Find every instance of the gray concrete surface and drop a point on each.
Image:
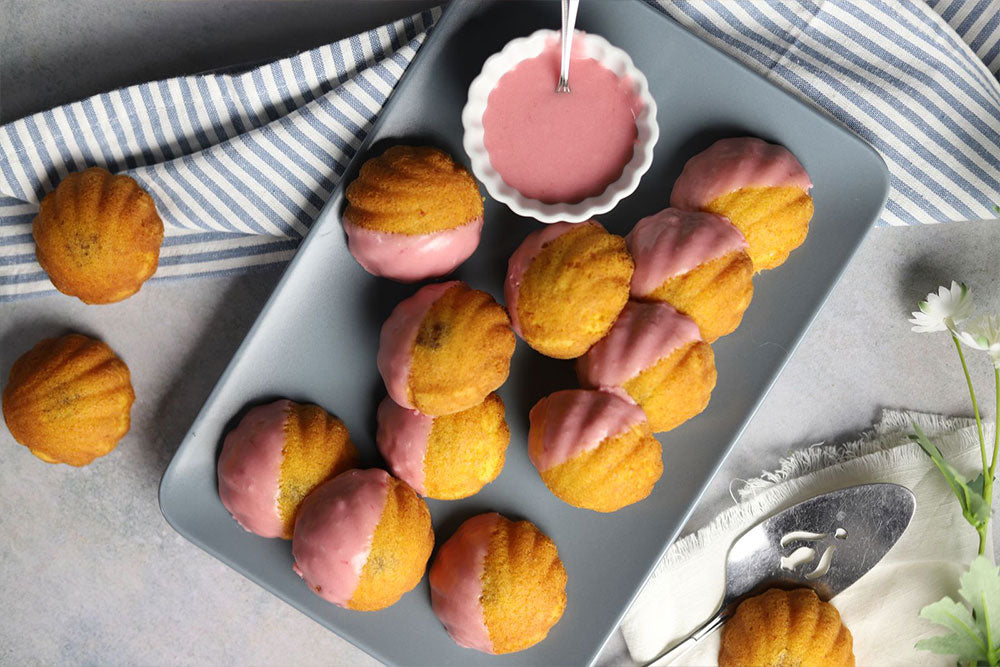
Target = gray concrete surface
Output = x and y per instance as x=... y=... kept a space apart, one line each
x=90 y=572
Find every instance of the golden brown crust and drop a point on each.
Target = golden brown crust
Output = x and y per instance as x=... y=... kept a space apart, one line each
x=462 y=352
x=98 y=236
x=714 y=294
x=574 y=290
x=677 y=387
x=401 y=546
x=622 y=470
x=466 y=450
x=317 y=448
x=68 y=400
x=412 y=190
x=524 y=586
x=775 y=221
x=786 y=629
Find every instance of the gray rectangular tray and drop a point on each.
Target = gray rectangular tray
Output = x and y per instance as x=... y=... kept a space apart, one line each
x=316 y=338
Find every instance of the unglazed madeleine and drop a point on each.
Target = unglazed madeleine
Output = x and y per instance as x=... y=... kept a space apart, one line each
x=566 y=284
x=760 y=187
x=444 y=349
x=786 y=629
x=498 y=586
x=447 y=457
x=695 y=261
x=655 y=357
x=68 y=400
x=98 y=236
x=277 y=454
x=412 y=213
x=362 y=540
x=594 y=449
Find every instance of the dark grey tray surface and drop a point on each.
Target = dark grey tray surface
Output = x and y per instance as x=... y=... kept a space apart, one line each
x=316 y=338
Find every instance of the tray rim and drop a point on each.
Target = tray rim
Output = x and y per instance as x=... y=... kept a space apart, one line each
x=448 y=15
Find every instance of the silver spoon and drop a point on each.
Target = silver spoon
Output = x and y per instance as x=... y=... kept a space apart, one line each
x=569 y=9
x=826 y=543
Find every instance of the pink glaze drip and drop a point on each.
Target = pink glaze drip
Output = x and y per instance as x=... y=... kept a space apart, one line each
x=644 y=334
x=673 y=242
x=731 y=164
x=399 y=333
x=576 y=421
x=522 y=258
x=409 y=258
x=560 y=147
x=402 y=437
x=250 y=469
x=457 y=582
x=334 y=532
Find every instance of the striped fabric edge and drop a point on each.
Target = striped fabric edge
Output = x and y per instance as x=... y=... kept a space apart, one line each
x=941 y=163
x=299 y=120
x=978 y=22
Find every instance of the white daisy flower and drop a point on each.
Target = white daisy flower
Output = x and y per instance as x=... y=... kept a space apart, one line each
x=944 y=310
x=983 y=333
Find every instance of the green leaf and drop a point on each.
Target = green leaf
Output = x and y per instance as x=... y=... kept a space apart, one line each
x=974 y=507
x=964 y=641
x=981 y=588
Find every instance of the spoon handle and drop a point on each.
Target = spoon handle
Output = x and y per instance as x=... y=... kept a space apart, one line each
x=569 y=10
x=693 y=639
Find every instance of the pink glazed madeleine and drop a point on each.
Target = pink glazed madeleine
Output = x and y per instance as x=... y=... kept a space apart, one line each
x=276 y=455
x=653 y=356
x=594 y=449
x=498 y=586
x=412 y=213
x=560 y=147
x=760 y=187
x=362 y=540
x=695 y=261
x=444 y=349
x=447 y=457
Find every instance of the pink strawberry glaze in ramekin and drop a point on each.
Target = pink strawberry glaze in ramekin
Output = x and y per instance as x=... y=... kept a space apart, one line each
x=398 y=335
x=519 y=262
x=731 y=164
x=456 y=579
x=644 y=334
x=402 y=437
x=250 y=468
x=334 y=532
x=576 y=421
x=673 y=242
x=411 y=257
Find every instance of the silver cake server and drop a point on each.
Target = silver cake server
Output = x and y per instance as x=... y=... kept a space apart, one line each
x=826 y=543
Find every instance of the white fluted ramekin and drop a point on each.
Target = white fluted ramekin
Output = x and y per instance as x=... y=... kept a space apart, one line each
x=531 y=46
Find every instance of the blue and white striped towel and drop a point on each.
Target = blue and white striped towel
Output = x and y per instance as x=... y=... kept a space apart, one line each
x=240 y=165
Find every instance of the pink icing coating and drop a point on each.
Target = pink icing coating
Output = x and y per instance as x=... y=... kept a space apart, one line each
x=402 y=437
x=457 y=582
x=250 y=468
x=334 y=532
x=409 y=258
x=521 y=260
x=576 y=421
x=673 y=242
x=560 y=147
x=399 y=333
x=643 y=334
x=731 y=164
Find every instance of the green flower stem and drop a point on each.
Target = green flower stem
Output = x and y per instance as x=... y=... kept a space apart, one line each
x=975 y=404
x=981 y=529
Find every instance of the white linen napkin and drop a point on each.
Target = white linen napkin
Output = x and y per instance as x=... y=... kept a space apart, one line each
x=881 y=608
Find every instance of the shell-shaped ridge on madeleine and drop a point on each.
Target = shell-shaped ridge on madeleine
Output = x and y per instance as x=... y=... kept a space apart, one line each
x=412 y=190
